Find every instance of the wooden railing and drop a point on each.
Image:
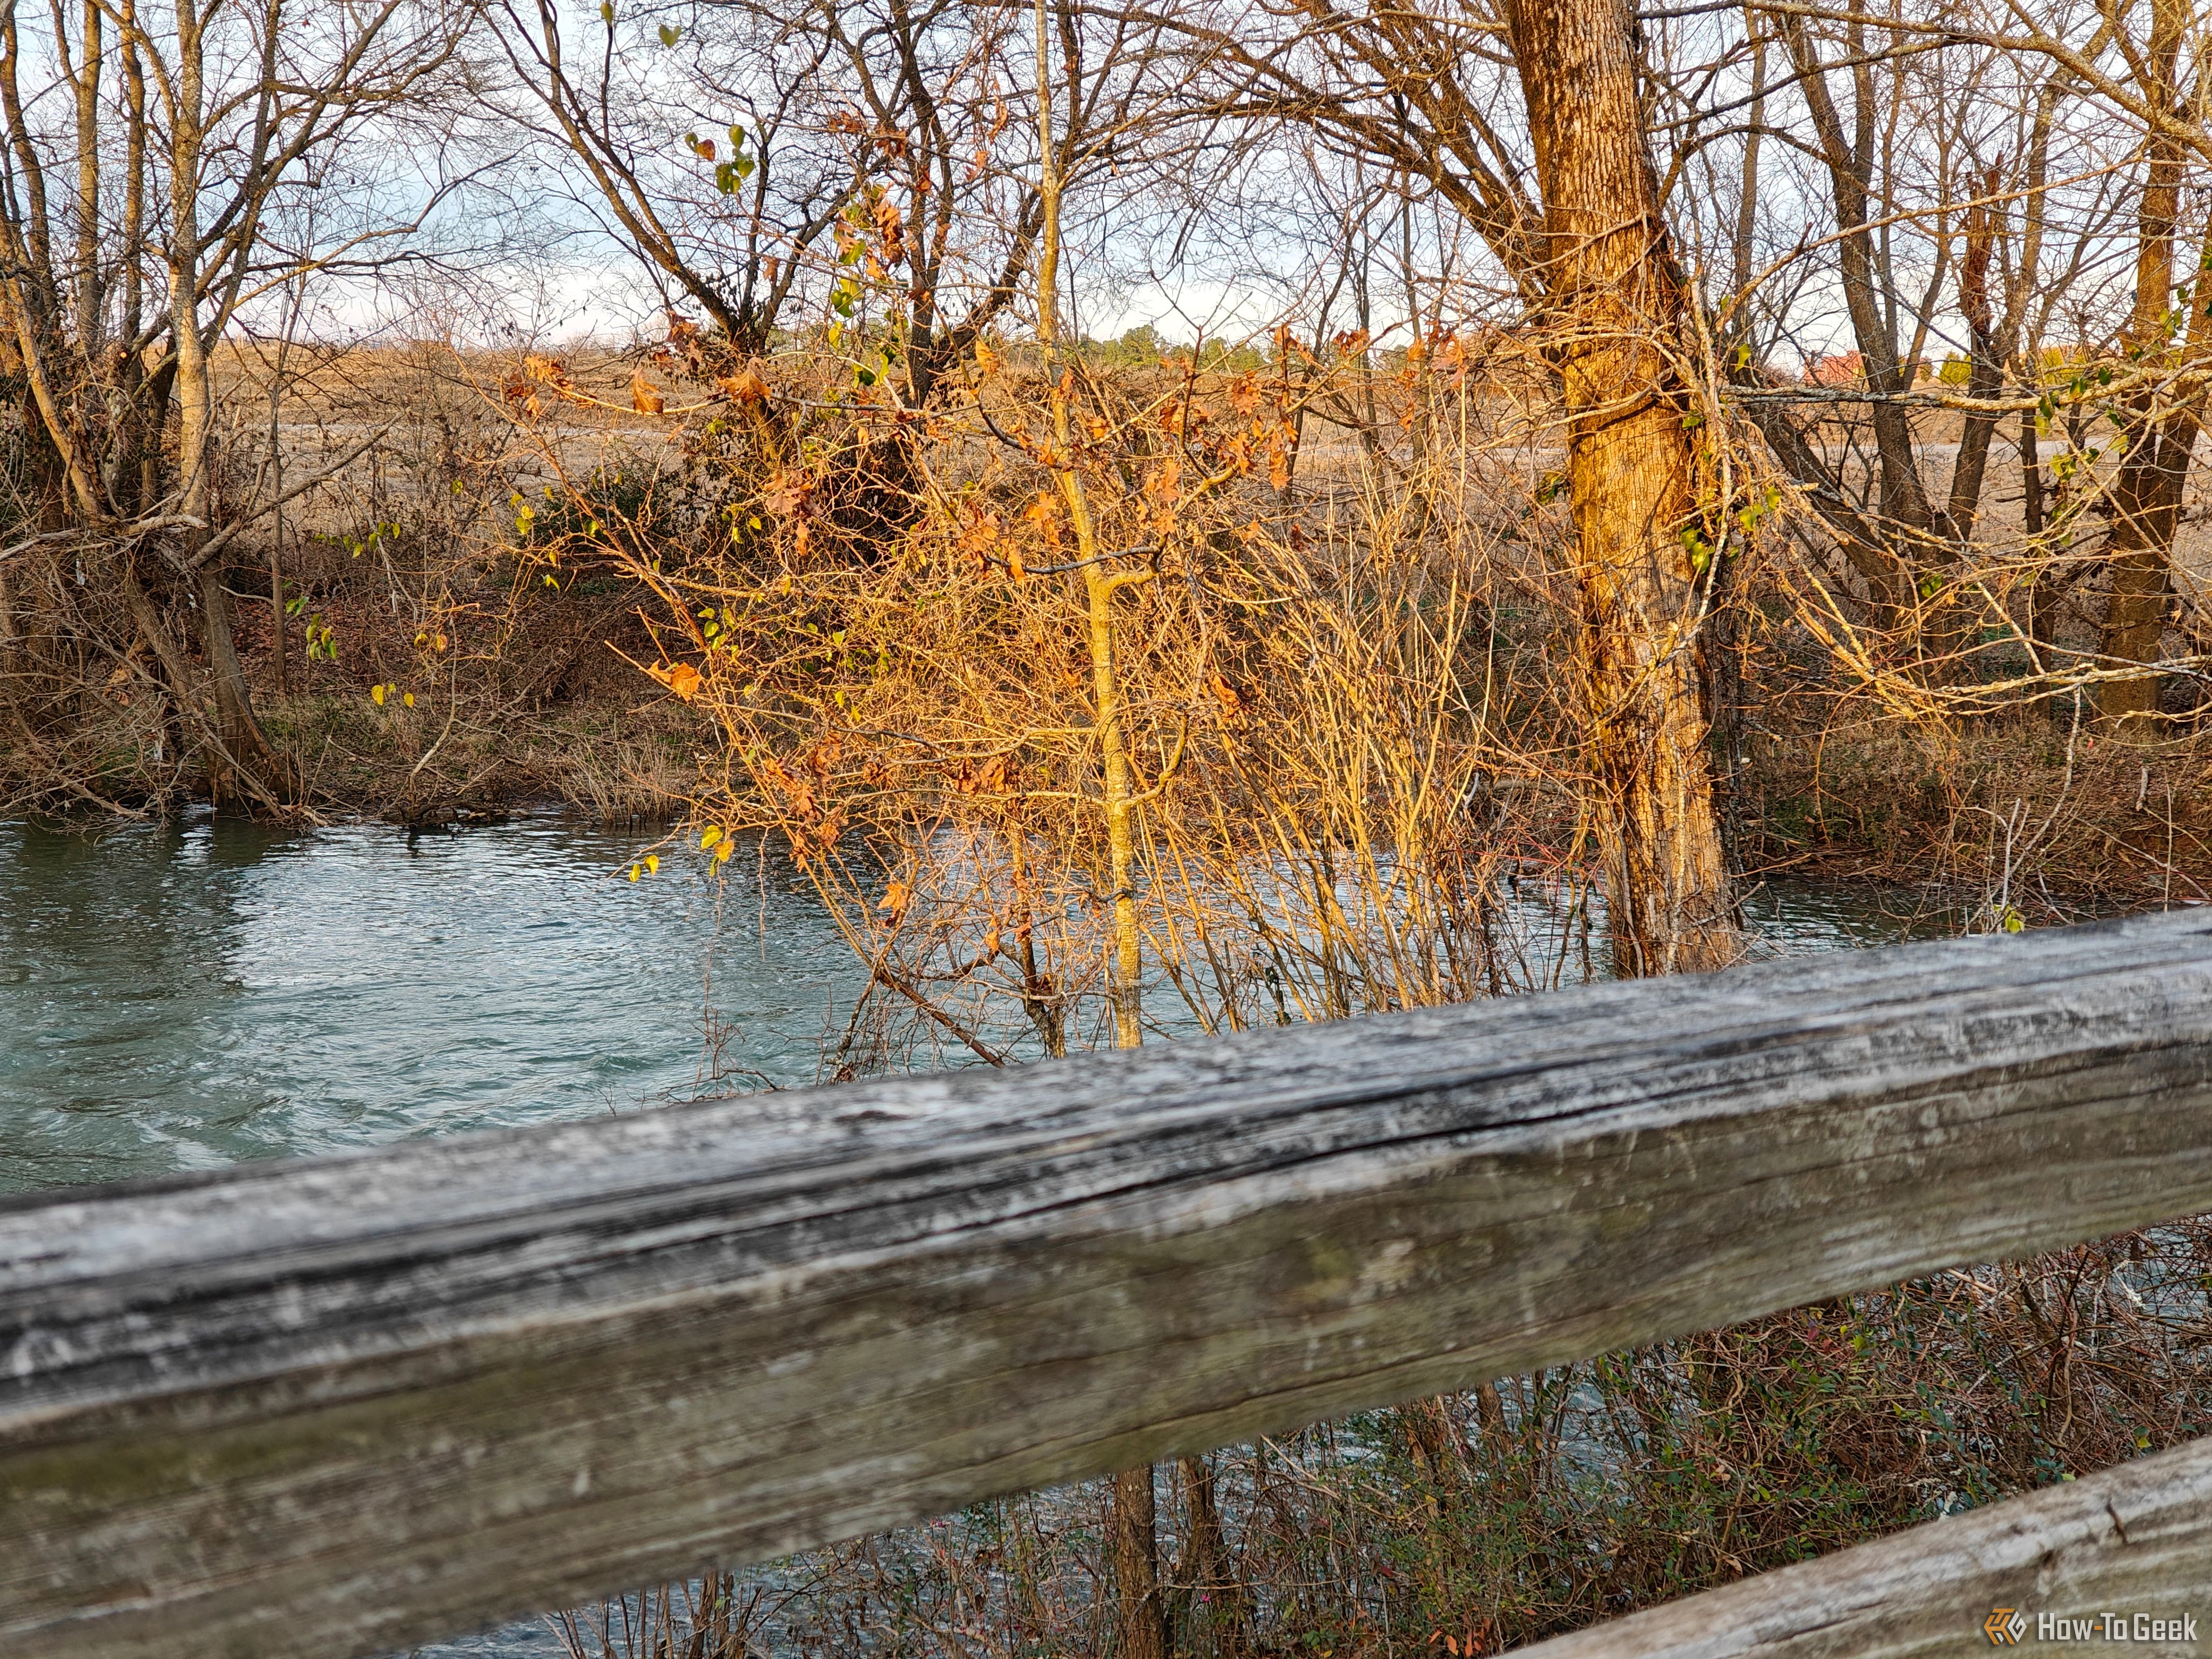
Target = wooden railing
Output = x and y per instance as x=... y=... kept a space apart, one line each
x=332 y=1407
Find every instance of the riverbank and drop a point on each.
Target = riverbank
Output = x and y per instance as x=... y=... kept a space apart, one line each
x=506 y=696
x=1997 y=809
x=473 y=710
x=2025 y=809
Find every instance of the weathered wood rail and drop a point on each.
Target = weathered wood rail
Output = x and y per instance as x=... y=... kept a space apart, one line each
x=328 y=1407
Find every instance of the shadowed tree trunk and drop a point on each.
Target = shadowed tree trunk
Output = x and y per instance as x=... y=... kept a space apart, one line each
x=2145 y=504
x=1616 y=301
x=1219 y=1605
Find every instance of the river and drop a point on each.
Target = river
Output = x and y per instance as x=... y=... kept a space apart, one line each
x=189 y=996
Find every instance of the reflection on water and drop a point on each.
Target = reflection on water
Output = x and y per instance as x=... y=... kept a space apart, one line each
x=188 y=997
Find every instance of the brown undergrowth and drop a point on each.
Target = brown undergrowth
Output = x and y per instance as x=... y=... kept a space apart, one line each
x=2027 y=809
x=1475 y=1523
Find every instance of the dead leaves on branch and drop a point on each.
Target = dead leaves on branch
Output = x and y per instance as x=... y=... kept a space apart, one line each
x=539 y=379
x=991 y=777
x=946 y=676
x=681 y=677
x=891 y=231
x=1235 y=703
x=897 y=896
x=745 y=387
x=544 y=380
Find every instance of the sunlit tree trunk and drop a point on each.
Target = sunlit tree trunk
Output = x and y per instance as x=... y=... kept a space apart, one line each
x=1617 y=309
x=1139 y=1622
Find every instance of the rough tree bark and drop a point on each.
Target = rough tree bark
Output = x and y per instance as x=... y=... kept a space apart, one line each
x=1616 y=298
x=2145 y=504
x=248 y=763
x=1219 y=1605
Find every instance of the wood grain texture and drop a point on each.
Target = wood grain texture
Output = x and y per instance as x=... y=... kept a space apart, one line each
x=332 y=1407
x=2137 y=1539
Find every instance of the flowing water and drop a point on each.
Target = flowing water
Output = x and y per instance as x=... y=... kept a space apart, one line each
x=188 y=996
x=191 y=995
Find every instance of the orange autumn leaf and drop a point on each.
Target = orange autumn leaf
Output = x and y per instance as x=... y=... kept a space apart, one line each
x=890 y=230
x=1044 y=513
x=896 y=897
x=643 y=398
x=1233 y=700
x=745 y=386
x=680 y=677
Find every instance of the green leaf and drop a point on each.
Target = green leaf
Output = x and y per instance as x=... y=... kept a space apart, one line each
x=669 y=36
x=606 y=13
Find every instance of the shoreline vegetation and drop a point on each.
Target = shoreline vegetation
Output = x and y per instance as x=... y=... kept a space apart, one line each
x=1643 y=452
x=470 y=626
x=453 y=665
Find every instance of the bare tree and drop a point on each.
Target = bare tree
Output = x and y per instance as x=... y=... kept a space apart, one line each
x=114 y=322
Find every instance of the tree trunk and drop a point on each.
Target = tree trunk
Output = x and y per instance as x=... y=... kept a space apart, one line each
x=1616 y=296
x=1433 y=1436
x=260 y=771
x=2145 y=504
x=1219 y=1605
x=11 y=649
x=1139 y=1621
x=1869 y=301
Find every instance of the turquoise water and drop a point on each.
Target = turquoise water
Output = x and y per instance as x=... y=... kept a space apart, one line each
x=191 y=996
